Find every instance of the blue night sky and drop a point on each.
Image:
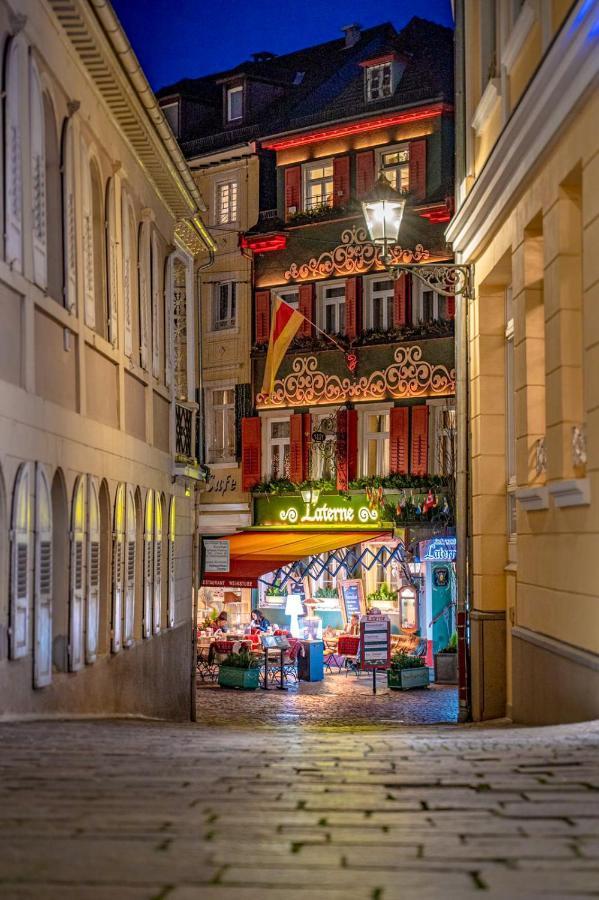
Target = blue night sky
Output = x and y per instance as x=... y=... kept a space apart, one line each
x=186 y=38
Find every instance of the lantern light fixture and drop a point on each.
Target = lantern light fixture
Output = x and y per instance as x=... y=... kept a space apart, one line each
x=310 y=495
x=383 y=210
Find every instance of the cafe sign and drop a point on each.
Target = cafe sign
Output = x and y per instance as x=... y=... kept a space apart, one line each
x=331 y=510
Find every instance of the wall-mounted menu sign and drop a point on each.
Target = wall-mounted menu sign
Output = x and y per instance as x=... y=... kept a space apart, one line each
x=352 y=598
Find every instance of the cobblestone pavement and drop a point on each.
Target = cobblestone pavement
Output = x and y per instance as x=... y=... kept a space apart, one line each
x=130 y=810
x=338 y=700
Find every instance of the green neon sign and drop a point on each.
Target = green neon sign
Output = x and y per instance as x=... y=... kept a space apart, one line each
x=333 y=510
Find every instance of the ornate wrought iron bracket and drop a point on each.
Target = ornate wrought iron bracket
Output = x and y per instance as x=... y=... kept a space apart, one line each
x=448 y=279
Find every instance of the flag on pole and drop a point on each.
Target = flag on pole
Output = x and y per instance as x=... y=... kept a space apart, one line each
x=286 y=322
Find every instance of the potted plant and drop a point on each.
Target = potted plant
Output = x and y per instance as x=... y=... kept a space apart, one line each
x=384 y=595
x=276 y=593
x=407 y=672
x=240 y=670
x=326 y=593
x=446 y=662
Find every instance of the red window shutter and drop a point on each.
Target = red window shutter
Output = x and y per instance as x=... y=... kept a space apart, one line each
x=353 y=296
x=451 y=307
x=341 y=190
x=400 y=303
x=398 y=440
x=419 y=441
x=364 y=172
x=293 y=181
x=251 y=452
x=418 y=169
x=306 y=307
x=296 y=453
x=347 y=447
x=262 y=316
x=307 y=443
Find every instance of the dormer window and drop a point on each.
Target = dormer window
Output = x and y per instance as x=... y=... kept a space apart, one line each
x=171 y=112
x=379 y=81
x=235 y=103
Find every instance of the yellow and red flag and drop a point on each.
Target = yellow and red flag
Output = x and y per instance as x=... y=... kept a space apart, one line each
x=286 y=322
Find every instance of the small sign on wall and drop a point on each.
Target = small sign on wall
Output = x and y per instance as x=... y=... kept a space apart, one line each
x=217 y=556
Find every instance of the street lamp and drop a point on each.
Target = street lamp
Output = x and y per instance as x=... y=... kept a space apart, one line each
x=383 y=211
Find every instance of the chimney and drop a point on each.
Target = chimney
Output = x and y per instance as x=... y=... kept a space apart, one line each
x=352 y=34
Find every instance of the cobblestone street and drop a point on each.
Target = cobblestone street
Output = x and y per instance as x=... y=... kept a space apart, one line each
x=132 y=810
x=338 y=700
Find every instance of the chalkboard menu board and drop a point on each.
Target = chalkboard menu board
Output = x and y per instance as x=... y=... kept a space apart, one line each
x=352 y=598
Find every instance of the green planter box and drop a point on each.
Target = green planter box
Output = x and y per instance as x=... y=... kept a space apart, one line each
x=406 y=679
x=446 y=668
x=246 y=679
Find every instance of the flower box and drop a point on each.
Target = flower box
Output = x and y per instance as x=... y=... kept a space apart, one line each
x=406 y=679
x=446 y=668
x=234 y=677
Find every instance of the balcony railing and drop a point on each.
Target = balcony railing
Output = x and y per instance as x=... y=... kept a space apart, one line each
x=185 y=432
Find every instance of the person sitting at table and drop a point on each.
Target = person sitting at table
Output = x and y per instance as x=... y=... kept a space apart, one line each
x=354 y=624
x=222 y=622
x=258 y=620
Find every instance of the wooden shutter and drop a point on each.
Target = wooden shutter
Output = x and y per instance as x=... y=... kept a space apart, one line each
x=143 y=256
x=419 y=440
x=111 y=254
x=418 y=169
x=157 y=614
x=130 y=551
x=251 y=452
x=37 y=148
x=156 y=306
x=293 y=183
x=347 y=447
x=92 y=618
x=118 y=553
x=89 y=305
x=20 y=563
x=13 y=160
x=306 y=307
x=364 y=172
x=127 y=274
x=400 y=301
x=398 y=439
x=148 y=565
x=42 y=617
x=353 y=297
x=77 y=605
x=262 y=316
x=171 y=564
x=296 y=451
x=341 y=185
x=306 y=443
x=68 y=217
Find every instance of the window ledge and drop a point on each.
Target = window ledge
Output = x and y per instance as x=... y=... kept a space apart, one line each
x=518 y=35
x=533 y=498
x=571 y=492
x=486 y=104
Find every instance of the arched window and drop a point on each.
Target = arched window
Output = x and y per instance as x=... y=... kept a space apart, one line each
x=54 y=210
x=118 y=576
x=148 y=564
x=77 y=574
x=14 y=81
x=157 y=302
x=94 y=281
x=60 y=573
x=93 y=571
x=105 y=568
x=130 y=566
x=68 y=217
x=111 y=254
x=129 y=278
x=37 y=157
x=42 y=609
x=20 y=568
x=171 y=564
x=157 y=562
x=145 y=280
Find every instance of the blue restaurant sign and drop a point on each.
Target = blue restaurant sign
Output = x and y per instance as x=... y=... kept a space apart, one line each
x=438 y=550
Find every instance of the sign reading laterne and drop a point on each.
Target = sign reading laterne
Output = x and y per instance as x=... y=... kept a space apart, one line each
x=331 y=509
x=216 y=556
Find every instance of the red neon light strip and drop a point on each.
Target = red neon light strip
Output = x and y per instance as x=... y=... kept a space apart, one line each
x=425 y=112
x=264 y=245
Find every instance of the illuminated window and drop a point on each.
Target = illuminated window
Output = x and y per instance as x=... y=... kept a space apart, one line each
x=278 y=448
x=235 y=103
x=395 y=163
x=428 y=306
x=225 y=306
x=291 y=297
x=318 y=184
x=221 y=425
x=380 y=307
x=333 y=308
x=375 y=460
x=379 y=81
x=226 y=203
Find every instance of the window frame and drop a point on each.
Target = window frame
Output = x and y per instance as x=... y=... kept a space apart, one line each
x=309 y=206
x=230 y=220
x=369 y=72
x=369 y=283
x=169 y=106
x=383 y=438
x=418 y=292
x=282 y=293
x=380 y=153
x=317 y=413
x=209 y=408
x=267 y=442
x=231 y=304
x=229 y=92
x=324 y=302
